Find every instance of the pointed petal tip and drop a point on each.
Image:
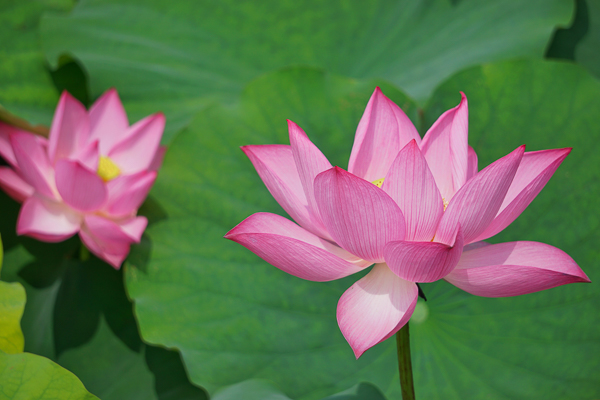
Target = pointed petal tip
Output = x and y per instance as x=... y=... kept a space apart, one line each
x=295 y=129
x=65 y=96
x=582 y=277
x=159 y=116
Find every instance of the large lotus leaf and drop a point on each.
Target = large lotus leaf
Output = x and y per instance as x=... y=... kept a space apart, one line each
x=105 y=359
x=12 y=303
x=78 y=315
x=587 y=52
x=29 y=376
x=176 y=56
x=26 y=87
x=233 y=317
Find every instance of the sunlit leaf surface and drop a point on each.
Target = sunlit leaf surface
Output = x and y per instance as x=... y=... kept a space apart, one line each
x=29 y=376
x=177 y=56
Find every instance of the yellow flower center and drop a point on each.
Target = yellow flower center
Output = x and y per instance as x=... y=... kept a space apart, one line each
x=107 y=169
x=378 y=182
x=445 y=203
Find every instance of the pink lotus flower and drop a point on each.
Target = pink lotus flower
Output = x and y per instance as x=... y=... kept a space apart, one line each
x=89 y=177
x=417 y=209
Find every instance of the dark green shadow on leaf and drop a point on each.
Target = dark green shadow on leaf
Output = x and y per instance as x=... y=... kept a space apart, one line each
x=565 y=40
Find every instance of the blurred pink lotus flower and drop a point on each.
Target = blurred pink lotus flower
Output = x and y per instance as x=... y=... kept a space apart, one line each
x=89 y=177
x=417 y=209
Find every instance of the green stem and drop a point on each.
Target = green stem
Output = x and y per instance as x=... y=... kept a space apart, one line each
x=404 y=364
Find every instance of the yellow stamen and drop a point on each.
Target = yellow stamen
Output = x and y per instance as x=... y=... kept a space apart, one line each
x=378 y=182
x=107 y=169
x=445 y=203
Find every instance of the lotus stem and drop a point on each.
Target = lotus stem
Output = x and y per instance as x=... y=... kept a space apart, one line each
x=404 y=364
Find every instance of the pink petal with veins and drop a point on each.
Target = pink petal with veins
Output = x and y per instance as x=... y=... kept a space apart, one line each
x=134 y=227
x=33 y=164
x=476 y=204
x=47 y=220
x=136 y=151
x=158 y=159
x=514 y=268
x=276 y=167
x=79 y=187
x=410 y=183
x=106 y=239
x=375 y=308
x=423 y=261
x=126 y=193
x=89 y=156
x=535 y=170
x=310 y=162
x=446 y=149
x=293 y=249
x=472 y=163
x=360 y=217
x=383 y=130
x=14 y=185
x=70 y=129
x=6 y=150
x=108 y=121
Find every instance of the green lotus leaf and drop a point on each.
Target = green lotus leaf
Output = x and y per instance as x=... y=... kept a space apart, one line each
x=26 y=86
x=179 y=56
x=29 y=376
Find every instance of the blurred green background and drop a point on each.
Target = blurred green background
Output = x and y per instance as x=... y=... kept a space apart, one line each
x=192 y=315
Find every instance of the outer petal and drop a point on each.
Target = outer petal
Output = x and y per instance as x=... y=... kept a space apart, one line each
x=472 y=167
x=106 y=239
x=14 y=185
x=134 y=227
x=33 y=164
x=360 y=217
x=70 y=128
x=382 y=131
x=276 y=167
x=515 y=268
x=375 y=308
x=6 y=150
x=446 y=149
x=410 y=183
x=475 y=205
x=310 y=162
x=535 y=170
x=423 y=261
x=127 y=192
x=136 y=151
x=294 y=250
x=79 y=187
x=158 y=158
x=47 y=220
x=108 y=121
